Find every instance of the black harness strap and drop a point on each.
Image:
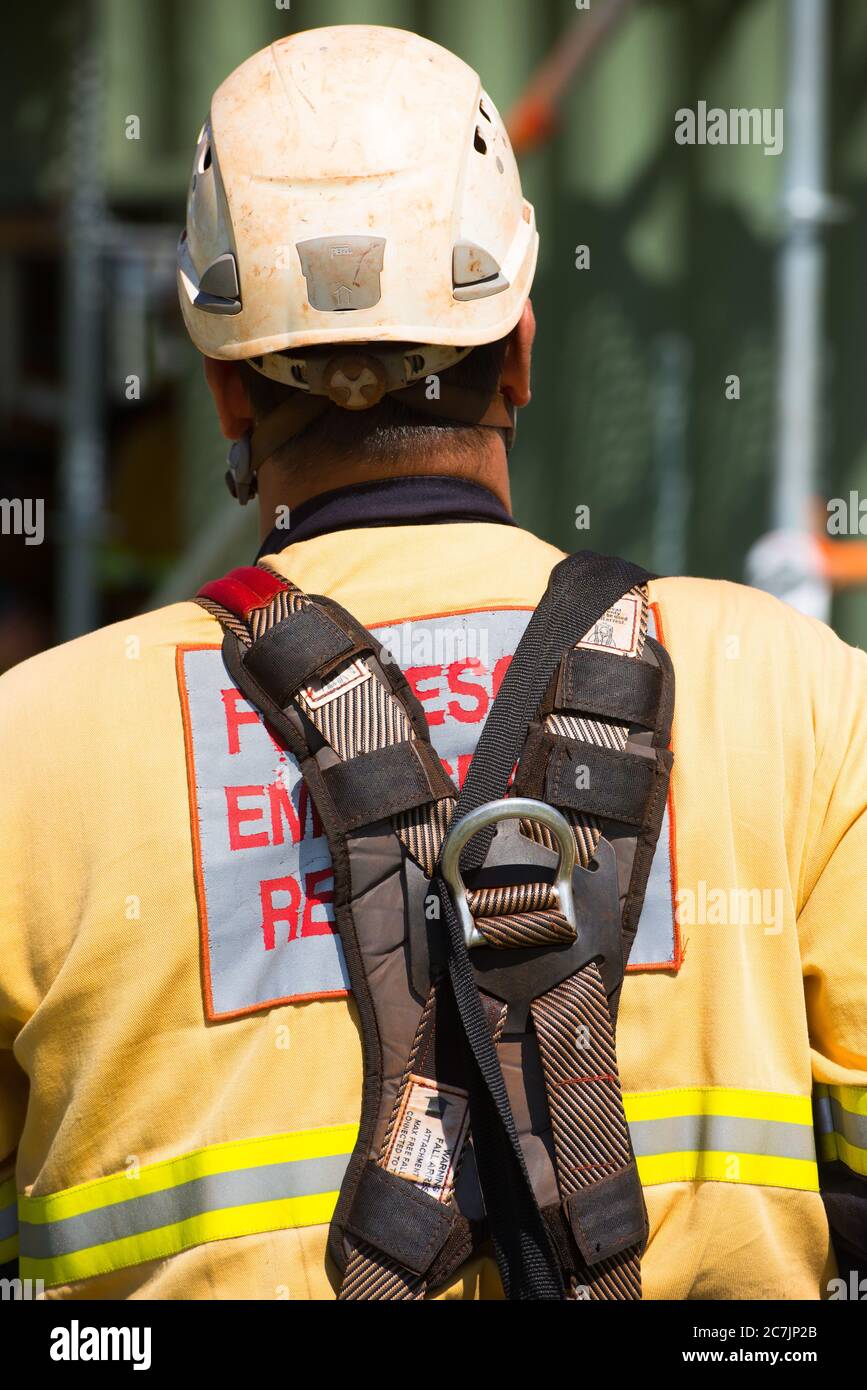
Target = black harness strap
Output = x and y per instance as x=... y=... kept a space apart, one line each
x=581 y=589
x=296 y=650
x=611 y=784
x=383 y=783
x=603 y=683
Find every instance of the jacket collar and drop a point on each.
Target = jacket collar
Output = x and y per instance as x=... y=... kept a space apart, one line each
x=413 y=501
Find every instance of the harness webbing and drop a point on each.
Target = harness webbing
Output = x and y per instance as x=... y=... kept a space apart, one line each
x=369 y=1274
x=572 y=1021
x=582 y=588
x=591 y=1137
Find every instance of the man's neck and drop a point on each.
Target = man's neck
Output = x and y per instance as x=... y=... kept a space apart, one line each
x=280 y=487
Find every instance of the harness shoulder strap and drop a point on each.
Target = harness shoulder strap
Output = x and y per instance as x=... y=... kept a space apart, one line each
x=581 y=589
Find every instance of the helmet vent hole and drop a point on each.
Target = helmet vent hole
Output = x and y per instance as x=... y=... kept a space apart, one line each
x=479 y=142
x=206 y=158
x=484 y=112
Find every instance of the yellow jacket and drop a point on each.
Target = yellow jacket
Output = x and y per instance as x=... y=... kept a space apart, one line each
x=170 y=1129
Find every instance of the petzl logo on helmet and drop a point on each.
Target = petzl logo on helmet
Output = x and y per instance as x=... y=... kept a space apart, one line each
x=342 y=272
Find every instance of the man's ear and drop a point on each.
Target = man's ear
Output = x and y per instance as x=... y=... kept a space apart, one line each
x=234 y=410
x=515 y=376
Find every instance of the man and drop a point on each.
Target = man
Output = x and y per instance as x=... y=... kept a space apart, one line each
x=182 y=1064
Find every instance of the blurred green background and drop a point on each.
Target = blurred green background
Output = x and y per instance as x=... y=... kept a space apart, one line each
x=630 y=414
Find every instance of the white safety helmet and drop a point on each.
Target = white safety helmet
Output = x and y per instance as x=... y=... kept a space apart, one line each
x=353 y=185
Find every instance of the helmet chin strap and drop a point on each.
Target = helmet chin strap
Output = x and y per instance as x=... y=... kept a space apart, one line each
x=459 y=403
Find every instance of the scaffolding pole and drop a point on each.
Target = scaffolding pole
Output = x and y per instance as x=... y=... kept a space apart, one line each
x=82 y=449
x=805 y=205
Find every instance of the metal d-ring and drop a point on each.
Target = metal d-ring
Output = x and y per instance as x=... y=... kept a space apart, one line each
x=507 y=808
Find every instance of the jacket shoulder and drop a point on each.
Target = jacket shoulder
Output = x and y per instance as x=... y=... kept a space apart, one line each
x=100 y=662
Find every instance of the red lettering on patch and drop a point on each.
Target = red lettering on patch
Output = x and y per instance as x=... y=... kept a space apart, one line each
x=415 y=675
x=236 y=717
x=459 y=684
x=310 y=925
x=237 y=814
x=272 y=912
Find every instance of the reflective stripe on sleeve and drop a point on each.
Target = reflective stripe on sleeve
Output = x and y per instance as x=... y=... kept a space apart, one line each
x=235 y=1189
x=8 y=1221
x=723 y=1134
x=841 y=1125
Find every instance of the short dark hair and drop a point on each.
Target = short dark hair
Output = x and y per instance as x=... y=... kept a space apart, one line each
x=388 y=431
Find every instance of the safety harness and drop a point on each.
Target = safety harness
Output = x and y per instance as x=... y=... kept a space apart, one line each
x=486 y=933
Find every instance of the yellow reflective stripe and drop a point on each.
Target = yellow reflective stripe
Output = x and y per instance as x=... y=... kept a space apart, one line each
x=200 y=1163
x=841 y=1122
x=827 y=1147
x=183 y=1235
x=717 y=1100
x=853 y=1156
x=756 y=1169
x=851 y=1098
x=8 y=1250
x=242 y=1188
x=213 y=1193
x=780 y=1126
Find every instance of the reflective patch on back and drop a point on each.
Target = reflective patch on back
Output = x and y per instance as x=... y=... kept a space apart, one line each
x=263 y=868
x=657 y=944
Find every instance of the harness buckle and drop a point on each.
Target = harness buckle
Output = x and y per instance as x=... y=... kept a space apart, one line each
x=508 y=808
x=588 y=899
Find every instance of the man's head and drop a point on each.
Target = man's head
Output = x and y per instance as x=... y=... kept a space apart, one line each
x=357 y=260
x=391 y=439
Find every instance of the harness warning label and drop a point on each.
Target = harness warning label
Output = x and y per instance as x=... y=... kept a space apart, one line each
x=323 y=692
x=429 y=1135
x=618 y=628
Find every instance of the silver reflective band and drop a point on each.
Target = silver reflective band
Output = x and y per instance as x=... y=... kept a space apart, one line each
x=724 y=1134
x=215 y=1192
x=832 y=1118
x=507 y=808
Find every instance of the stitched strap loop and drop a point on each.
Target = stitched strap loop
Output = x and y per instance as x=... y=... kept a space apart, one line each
x=294 y=651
